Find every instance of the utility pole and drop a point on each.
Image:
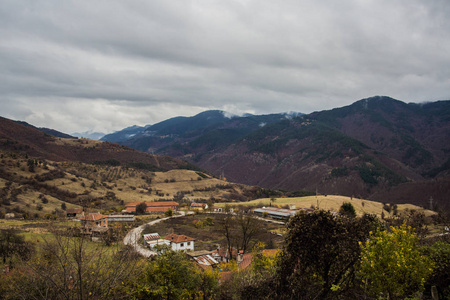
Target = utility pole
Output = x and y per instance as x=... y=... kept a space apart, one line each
x=317 y=200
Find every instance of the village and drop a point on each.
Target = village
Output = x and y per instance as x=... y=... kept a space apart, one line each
x=223 y=243
x=95 y=226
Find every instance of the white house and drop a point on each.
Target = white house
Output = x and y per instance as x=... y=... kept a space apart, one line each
x=180 y=242
x=217 y=209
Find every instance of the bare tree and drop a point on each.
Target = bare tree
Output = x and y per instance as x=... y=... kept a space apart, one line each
x=226 y=226
x=69 y=267
x=249 y=228
x=13 y=244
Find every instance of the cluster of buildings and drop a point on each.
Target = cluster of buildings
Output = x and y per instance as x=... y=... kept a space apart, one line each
x=96 y=224
x=203 y=258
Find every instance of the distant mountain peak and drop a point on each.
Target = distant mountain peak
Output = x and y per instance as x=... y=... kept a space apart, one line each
x=89 y=135
x=377 y=100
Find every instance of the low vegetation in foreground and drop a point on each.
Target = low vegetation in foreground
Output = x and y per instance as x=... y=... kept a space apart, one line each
x=324 y=255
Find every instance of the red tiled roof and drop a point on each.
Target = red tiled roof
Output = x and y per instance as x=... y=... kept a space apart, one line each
x=153 y=204
x=246 y=261
x=159 y=209
x=93 y=217
x=178 y=238
x=247 y=258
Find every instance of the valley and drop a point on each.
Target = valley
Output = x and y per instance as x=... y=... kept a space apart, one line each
x=44 y=179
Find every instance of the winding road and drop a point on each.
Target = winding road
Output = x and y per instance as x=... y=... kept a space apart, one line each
x=133 y=236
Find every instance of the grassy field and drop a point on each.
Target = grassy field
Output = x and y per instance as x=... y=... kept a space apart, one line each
x=330 y=202
x=42 y=232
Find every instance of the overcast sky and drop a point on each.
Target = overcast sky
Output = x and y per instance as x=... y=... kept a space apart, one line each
x=103 y=65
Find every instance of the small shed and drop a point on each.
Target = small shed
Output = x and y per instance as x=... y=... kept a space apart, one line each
x=121 y=218
x=152 y=240
x=203 y=259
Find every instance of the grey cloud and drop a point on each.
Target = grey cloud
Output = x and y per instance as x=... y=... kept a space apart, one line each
x=118 y=63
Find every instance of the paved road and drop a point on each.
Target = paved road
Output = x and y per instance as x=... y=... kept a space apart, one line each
x=133 y=236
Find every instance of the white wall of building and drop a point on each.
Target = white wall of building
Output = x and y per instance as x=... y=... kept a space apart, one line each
x=186 y=245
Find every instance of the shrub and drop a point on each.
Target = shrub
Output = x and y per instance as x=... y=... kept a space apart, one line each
x=168 y=212
x=392 y=265
x=141 y=208
x=440 y=254
x=348 y=209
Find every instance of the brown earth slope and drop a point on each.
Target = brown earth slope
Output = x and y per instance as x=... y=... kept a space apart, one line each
x=22 y=139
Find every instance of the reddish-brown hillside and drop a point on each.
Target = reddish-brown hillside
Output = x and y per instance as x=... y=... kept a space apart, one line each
x=22 y=139
x=376 y=147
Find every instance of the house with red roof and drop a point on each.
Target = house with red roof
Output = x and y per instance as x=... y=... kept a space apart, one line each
x=94 y=222
x=223 y=254
x=180 y=242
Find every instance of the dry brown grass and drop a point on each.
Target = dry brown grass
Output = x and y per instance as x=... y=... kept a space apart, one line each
x=2 y=183
x=77 y=142
x=332 y=203
x=93 y=184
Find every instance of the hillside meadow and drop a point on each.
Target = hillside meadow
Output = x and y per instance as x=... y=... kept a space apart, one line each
x=332 y=203
x=31 y=187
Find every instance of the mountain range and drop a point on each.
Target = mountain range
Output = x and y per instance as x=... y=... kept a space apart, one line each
x=377 y=148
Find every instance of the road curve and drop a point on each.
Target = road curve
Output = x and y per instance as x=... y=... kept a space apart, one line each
x=133 y=236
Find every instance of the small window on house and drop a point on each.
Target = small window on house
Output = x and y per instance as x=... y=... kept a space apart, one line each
x=181 y=245
x=189 y=243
